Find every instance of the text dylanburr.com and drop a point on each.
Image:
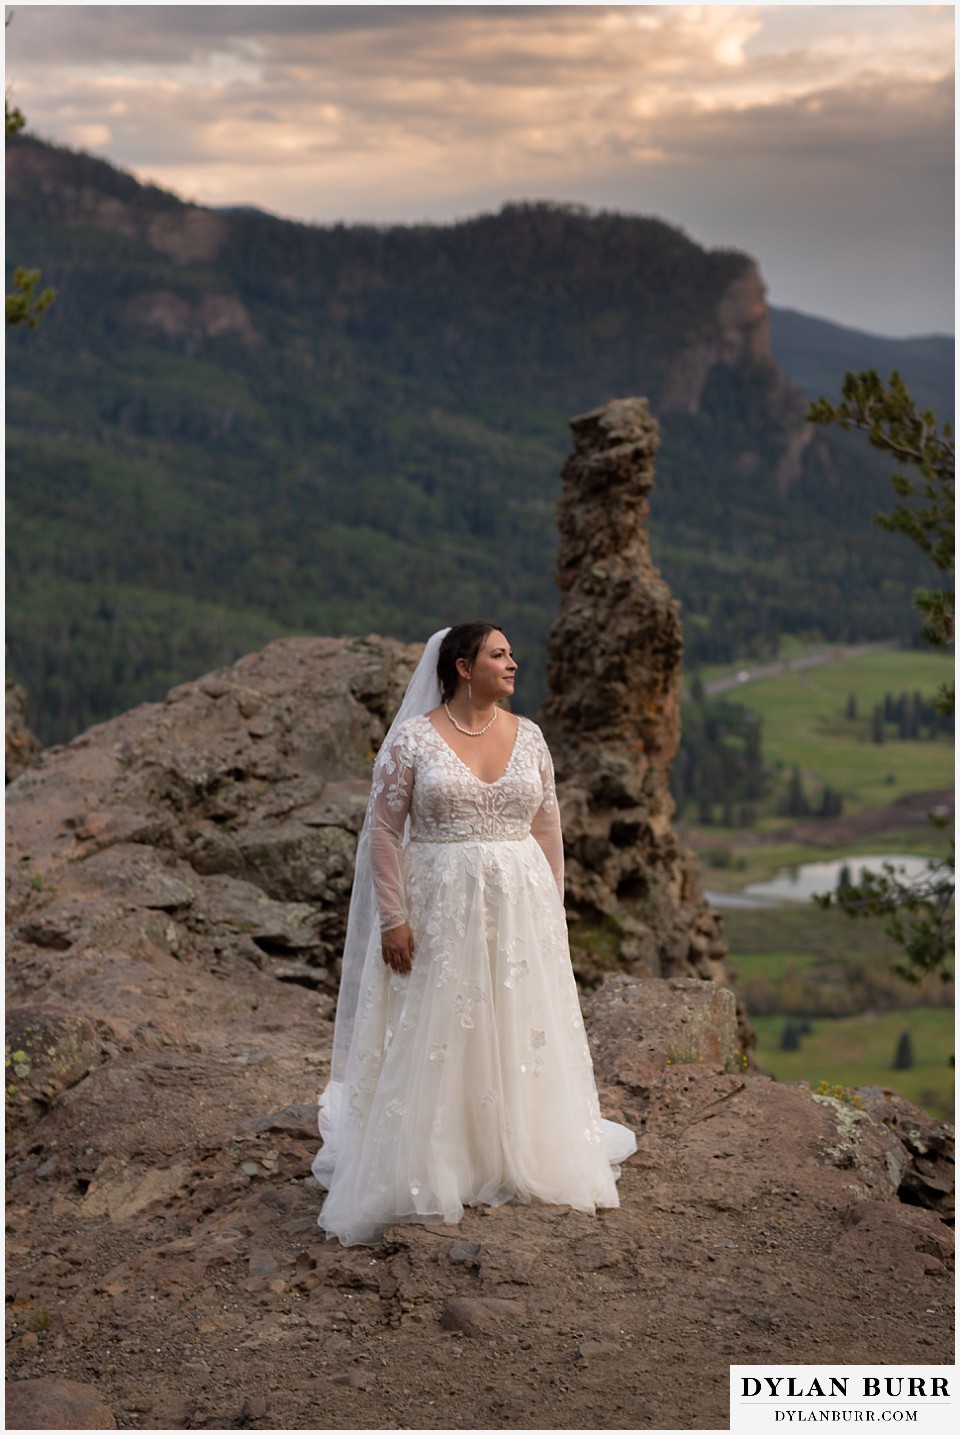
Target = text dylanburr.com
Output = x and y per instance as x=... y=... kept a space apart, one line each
x=781 y=1398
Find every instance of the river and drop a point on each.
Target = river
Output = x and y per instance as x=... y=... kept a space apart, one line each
x=799 y=884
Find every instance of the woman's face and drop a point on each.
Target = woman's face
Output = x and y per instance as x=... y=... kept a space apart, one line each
x=493 y=670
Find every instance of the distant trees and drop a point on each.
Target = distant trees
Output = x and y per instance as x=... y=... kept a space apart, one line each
x=831 y=802
x=719 y=769
x=796 y=801
x=915 y=717
x=719 y=766
x=918 y=913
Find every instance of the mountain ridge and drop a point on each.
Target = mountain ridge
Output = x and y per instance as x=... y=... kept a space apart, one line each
x=816 y=353
x=231 y=427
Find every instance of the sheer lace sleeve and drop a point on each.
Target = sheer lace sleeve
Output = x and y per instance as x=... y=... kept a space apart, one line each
x=391 y=791
x=546 y=820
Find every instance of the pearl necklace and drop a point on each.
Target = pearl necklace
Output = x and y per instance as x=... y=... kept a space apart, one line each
x=470 y=731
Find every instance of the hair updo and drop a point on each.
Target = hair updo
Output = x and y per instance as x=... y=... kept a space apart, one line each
x=464 y=640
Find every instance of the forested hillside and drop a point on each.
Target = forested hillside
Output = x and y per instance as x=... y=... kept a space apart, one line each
x=816 y=354
x=231 y=426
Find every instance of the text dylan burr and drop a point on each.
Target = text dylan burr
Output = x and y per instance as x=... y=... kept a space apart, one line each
x=908 y=1387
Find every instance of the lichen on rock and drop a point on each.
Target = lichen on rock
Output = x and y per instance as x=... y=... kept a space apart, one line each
x=47 y=1050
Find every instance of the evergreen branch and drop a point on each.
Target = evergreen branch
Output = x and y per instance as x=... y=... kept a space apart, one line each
x=23 y=305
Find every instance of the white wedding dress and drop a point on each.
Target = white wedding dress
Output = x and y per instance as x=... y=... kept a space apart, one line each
x=468 y=1081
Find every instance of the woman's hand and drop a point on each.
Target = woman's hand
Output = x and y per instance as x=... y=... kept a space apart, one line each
x=396 y=947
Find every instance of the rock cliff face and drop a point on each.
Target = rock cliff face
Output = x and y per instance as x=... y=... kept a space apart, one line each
x=613 y=715
x=739 y=338
x=742 y=337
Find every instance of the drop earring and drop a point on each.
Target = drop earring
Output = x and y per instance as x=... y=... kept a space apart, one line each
x=469 y=689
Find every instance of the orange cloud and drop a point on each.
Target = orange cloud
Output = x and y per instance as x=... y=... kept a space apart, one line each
x=328 y=112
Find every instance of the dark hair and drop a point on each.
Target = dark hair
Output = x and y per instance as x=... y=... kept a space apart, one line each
x=464 y=640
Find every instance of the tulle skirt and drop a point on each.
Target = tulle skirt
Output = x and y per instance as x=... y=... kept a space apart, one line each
x=469 y=1081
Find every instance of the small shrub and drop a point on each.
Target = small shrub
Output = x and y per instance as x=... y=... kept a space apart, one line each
x=836 y=1092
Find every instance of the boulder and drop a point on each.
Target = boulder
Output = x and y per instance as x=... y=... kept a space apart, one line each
x=53 y=1404
x=638 y=1027
x=47 y=1050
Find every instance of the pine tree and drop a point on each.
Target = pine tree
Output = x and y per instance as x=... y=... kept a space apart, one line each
x=790 y=1035
x=797 y=804
x=903 y=1057
x=831 y=802
x=918 y=912
x=892 y=423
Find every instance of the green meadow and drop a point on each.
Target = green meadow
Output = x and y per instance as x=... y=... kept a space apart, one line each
x=800 y=960
x=859 y=1051
x=797 y=959
x=804 y=725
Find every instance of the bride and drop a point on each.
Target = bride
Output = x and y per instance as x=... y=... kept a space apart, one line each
x=461 y=1072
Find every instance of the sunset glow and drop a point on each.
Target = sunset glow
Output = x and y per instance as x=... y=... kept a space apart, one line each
x=800 y=134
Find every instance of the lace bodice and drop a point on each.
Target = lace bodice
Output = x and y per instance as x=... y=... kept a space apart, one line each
x=420 y=777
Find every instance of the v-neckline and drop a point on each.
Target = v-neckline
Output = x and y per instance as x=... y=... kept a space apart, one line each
x=466 y=766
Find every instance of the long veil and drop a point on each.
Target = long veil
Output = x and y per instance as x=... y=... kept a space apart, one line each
x=363 y=925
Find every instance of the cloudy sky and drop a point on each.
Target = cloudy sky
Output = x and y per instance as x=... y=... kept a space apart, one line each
x=818 y=138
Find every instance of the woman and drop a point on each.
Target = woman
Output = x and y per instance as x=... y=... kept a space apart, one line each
x=461 y=1071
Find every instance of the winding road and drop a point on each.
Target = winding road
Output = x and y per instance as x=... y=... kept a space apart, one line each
x=789 y=665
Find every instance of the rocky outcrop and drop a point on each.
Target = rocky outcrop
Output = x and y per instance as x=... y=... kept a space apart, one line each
x=615 y=665
x=23 y=747
x=217 y=827
x=163 y=314
x=98 y=196
x=929 y=1178
x=638 y=1028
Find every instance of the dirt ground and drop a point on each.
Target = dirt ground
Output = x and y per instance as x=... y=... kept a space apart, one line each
x=210 y=1300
